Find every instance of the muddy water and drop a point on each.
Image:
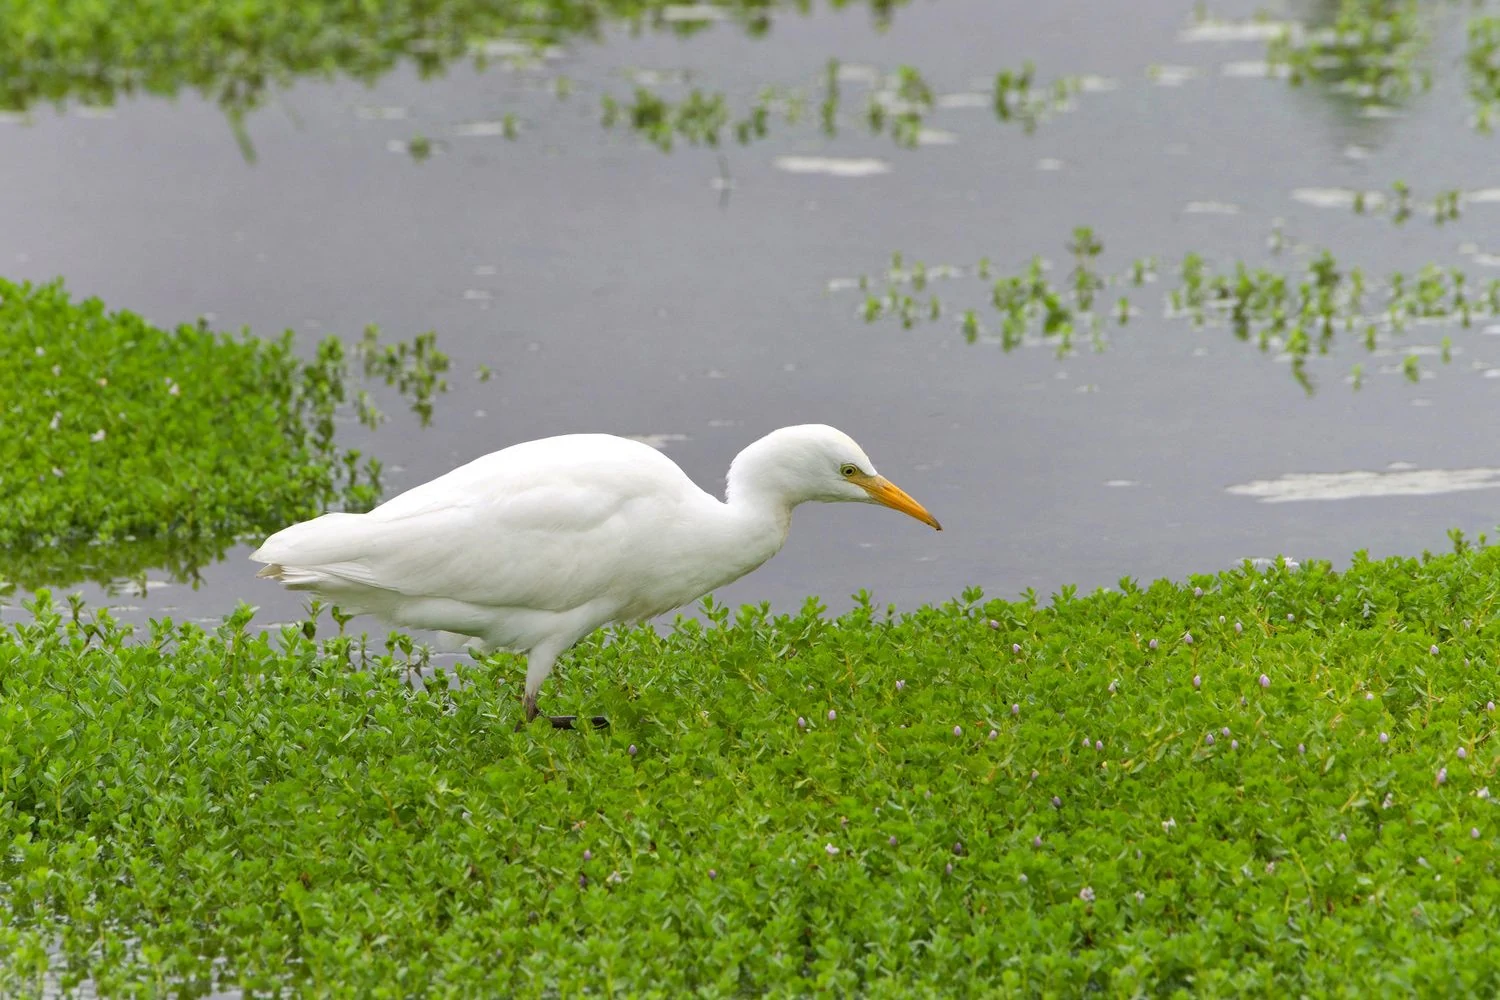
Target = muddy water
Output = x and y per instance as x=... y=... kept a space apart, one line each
x=615 y=288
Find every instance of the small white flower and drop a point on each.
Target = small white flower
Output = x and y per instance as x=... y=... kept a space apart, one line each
x=832 y=715
x=97 y=436
x=1086 y=894
x=958 y=730
x=1462 y=753
x=993 y=734
x=830 y=849
x=1385 y=737
x=1238 y=628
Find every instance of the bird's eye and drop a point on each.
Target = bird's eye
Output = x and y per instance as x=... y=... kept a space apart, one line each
x=849 y=470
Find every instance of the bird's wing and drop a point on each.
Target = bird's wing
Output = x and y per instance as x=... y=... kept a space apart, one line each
x=547 y=525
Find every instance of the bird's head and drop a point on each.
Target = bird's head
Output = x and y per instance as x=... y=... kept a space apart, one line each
x=817 y=462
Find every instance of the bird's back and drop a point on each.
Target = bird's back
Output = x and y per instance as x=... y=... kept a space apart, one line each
x=546 y=525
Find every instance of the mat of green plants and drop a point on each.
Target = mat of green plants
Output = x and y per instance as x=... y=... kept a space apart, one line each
x=1264 y=783
x=126 y=446
x=1267 y=781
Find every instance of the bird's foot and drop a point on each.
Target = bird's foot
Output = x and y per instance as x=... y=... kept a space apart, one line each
x=568 y=721
x=558 y=721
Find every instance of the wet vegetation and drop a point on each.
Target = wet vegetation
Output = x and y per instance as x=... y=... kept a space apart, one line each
x=896 y=104
x=1371 y=51
x=1377 y=52
x=1482 y=60
x=126 y=446
x=1245 y=783
x=1238 y=784
x=1293 y=315
x=78 y=50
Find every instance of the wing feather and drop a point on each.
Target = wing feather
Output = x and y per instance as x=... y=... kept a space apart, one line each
x=546 y=525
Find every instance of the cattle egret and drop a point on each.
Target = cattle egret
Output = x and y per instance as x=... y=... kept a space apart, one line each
x=532 y=547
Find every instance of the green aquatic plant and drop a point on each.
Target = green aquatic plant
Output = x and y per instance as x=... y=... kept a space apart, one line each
x=121 y=441
x=703 y=119
x=1218 y=786
x=699 y=118
x=1482 y=63
x=1016 y=99
x=1371 y=51
x=1296 y=316
x=898 y=104
x=79 y=50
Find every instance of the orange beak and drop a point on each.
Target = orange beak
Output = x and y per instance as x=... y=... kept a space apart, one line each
x=888 y=494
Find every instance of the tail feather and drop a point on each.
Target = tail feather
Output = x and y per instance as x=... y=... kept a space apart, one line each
x=331 y=538
x=327 y=551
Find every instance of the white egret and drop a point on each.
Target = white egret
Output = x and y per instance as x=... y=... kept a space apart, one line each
x=532 y=547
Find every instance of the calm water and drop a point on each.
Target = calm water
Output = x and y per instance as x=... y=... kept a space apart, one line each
x=611 y=290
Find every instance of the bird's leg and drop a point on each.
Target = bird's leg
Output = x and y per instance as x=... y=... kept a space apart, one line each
x=538 y=665
x=529 y=703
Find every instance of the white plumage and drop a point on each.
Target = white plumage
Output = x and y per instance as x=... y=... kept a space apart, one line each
x=532 y=547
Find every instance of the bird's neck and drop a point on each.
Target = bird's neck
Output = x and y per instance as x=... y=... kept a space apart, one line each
x=755 y=526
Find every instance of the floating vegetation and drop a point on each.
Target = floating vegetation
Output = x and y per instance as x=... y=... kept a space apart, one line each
x=1482 y=61
x=121 y=441
x=190 y=810
x=1371 y=51
x=1018 y=99
x=1396 y=204
x=233 y=55
x=897 y=105
x=1294 y=316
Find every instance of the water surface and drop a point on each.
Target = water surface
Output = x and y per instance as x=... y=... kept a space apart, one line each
x=615 y=288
